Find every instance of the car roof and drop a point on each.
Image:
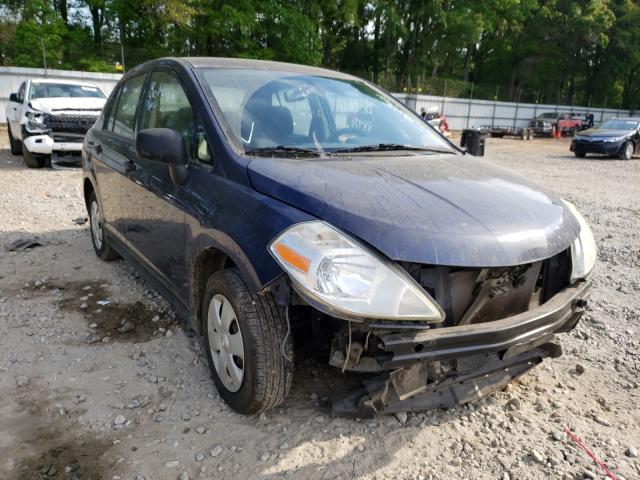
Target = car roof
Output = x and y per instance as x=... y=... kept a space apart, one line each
x=58 y=81
x=635 y=119
x=239 y=63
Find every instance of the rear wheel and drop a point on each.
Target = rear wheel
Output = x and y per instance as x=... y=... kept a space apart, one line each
x=626 y=152
x=32 y=160
x=246 y=339
x=100 y=245
x=580 y=154
x=16 y=145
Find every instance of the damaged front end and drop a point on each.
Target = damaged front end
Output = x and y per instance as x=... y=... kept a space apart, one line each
x=420 y=369
x=498 y=324
x=446 y=335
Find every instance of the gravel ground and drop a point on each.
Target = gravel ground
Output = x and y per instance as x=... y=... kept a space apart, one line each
x=121 y=391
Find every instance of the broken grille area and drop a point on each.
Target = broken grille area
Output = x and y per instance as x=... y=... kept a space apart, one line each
x=69 y=123
x=477 y=295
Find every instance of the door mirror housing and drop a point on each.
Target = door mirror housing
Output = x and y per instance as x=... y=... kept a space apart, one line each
x=14 y=98
x=167 y=146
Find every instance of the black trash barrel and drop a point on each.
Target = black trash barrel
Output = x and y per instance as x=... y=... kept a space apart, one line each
x=473 y=141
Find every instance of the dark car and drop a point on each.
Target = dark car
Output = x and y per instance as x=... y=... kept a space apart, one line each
x=274 y=204
x=617 y=137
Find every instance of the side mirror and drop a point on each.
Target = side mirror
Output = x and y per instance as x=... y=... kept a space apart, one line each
x=14 y=98
x=167 y=146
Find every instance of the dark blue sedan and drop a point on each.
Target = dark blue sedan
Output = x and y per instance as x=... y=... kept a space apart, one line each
x=279 y=205
x=617 y=137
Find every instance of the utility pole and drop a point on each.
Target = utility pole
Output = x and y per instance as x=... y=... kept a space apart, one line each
x=122 y=56
x=44 y=55
x=444 y=94
x=495 y=105
x=469 y=107
x=122 y=48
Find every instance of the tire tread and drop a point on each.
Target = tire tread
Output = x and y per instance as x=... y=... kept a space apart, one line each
x=273 y=374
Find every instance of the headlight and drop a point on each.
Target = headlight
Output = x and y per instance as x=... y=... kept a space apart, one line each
x=583 y=249
x=613 y=139
x=343 y=278
x=35 y=120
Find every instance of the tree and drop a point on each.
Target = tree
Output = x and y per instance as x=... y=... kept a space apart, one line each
x=578 y=51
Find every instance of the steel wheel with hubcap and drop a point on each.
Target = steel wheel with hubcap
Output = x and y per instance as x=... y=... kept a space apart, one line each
x=225 y=342
x=248 y=348
x=100 y=245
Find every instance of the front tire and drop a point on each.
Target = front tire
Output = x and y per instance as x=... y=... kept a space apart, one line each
x=246 y=340
x=580 y=154
x=100 y=245
x=626 y=152
x=16 y=145
x=31 y=160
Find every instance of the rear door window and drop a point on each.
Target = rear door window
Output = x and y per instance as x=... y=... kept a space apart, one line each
x=124 y=115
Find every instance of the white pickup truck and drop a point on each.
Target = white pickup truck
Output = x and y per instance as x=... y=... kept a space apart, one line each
x=48 y=119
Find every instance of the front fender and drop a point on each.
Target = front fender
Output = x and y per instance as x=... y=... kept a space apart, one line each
x=238 y=222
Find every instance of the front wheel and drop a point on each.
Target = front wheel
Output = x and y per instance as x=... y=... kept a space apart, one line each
x=15 y=144
x=32 y=160
x=580 y=154
x=248 y=344
x=626 y=152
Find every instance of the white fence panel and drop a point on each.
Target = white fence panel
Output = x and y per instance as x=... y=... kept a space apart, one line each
x=12 y=77
x=465 y=113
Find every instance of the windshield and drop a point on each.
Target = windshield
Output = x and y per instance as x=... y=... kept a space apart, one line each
x=55 y=90
x=549 y=115
x=268 y=110
x=619 y=124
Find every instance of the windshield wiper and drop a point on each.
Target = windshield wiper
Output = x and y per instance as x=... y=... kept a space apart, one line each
x=387 y=147
x=282 y=149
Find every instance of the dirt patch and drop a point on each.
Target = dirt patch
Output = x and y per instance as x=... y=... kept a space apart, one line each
x=112 y=321
x=78 y=458
x=48 y=442
x=107 y=320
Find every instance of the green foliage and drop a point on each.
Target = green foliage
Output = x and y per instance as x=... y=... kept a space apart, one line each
x=582 y=51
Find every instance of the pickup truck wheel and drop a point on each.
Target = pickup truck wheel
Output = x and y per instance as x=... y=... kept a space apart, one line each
x=100 y=246
x=626 y=152
x=246 y=339
x=16 y=145
x=31 y=160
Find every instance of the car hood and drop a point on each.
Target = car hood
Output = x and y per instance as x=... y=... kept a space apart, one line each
x=437 y=209
x=600 y=132
x=62 y=104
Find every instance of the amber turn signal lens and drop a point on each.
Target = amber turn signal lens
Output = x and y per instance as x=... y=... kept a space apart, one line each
x=292 y=257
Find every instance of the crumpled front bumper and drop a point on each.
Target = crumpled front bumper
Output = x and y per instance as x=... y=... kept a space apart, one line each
x=46 y=145
x=477 y=359
x=516 y=333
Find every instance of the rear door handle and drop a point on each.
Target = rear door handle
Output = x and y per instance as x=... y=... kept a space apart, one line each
x=129 y=166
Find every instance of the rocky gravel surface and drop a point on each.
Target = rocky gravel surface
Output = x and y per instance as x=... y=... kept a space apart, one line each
x=98 y=379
